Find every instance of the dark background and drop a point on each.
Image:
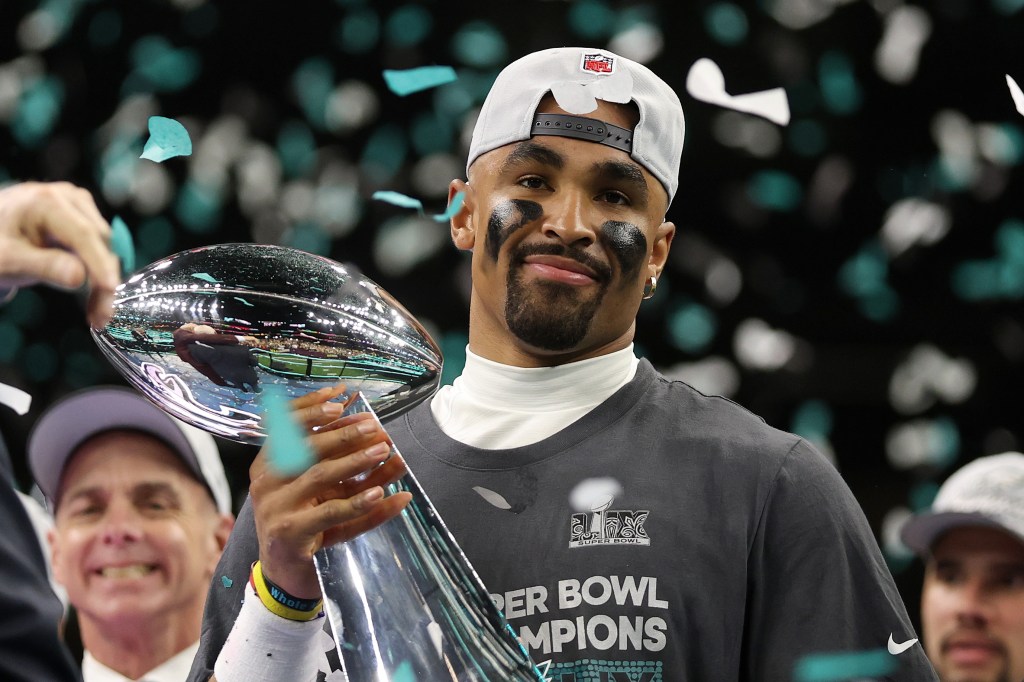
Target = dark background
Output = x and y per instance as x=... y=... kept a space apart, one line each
x=799 y=223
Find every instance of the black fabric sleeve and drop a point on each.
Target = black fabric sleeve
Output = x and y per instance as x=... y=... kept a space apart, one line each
x=224 y=600
x=30 y=646
x=817 y=580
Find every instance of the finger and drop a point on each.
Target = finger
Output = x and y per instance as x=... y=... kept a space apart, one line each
x=83 y=200
x=28 y=264
x=392 y=470
x=301 y=527
x=385 y=510
x=320 y=414
x=322 y=479
x=358 y=433
x=100 y=308
x=318 y=396
x=86 y=235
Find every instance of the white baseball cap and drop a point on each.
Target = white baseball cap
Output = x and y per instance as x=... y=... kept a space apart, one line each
x=577 y=77
x=986 y=492
x=83 y=414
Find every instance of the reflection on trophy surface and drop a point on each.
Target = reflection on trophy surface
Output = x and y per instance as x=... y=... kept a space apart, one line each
x=202 y=333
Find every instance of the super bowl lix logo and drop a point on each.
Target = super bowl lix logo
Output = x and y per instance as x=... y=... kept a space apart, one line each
x=608 y=527
x=597 y=63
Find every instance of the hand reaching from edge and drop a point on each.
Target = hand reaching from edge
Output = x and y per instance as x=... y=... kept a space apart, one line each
x=52 y=232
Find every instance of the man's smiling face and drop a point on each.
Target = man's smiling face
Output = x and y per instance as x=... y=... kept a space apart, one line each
x=136 y=535
x=564 y=234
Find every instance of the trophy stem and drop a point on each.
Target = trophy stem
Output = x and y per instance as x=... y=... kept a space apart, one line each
x=405 y=604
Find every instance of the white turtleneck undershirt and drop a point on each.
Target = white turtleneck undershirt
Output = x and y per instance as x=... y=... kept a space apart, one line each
x=494 y=406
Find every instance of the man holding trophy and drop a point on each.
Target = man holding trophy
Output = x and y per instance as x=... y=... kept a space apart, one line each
x=628 y=526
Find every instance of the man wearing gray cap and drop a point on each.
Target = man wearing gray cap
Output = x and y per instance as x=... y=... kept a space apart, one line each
x=631 y=528
x=142 y=510
x=972 y=542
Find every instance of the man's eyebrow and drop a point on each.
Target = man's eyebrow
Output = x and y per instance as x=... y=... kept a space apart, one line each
x=74 y=494
x=147 y=489
x=624 y=171
x=528 y=151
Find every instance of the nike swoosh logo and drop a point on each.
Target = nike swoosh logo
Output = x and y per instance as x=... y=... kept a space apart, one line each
x=897 y=649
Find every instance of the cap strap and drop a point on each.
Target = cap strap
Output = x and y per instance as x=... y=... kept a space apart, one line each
x=582 y=128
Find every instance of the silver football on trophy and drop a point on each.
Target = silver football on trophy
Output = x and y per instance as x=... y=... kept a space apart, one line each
x=204 y=331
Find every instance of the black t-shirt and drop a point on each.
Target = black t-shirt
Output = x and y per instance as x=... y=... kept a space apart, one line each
x=711 y=547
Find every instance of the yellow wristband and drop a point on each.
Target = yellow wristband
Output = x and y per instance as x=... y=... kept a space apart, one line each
x=278 y=607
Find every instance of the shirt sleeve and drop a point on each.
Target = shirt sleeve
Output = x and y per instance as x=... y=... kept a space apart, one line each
x=227 y=591
x=817 y=581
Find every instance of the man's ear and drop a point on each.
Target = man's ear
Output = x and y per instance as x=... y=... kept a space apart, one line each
x=662 y=243
x=225 y=522
x=463 y=233
x=55 y=566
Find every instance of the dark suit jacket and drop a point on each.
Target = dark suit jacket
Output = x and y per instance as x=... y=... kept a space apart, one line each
x=30 y=648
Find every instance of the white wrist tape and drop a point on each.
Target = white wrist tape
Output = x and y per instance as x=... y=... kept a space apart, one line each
x=265 y=646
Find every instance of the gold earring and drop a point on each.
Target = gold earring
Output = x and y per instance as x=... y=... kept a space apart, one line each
x=650 y=286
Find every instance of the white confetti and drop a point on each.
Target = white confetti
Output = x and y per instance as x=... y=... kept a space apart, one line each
x=15 y=398
x=706 y=83
x=897 y=55
x=437 y=637
x=492 y=497
x=914 y=221
x=1016 y=94
x=594 y=494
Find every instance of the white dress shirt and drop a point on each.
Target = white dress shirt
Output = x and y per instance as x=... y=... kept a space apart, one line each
x=174 y=669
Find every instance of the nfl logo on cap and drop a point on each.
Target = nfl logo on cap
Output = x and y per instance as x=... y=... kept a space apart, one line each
x=597 y=63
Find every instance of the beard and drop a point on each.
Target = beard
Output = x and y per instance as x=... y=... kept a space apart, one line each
x=1001 y=675
x=549 y=315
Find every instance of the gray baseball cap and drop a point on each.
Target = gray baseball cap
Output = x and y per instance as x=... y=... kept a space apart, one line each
x=83 y=414
x=577 y=77
x=986 y=492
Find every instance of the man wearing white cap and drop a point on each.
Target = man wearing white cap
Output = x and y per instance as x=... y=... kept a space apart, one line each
x=972 y=542
x=631 y=528
x=142 y=511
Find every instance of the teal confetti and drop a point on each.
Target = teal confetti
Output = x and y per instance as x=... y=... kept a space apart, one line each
x=404 y=201
x=845 y=665
x=453 y=208
x=408 y=81
x=431 y=133
x=242 y=300
x=38 y=111
x=122 y=245
x=775 y=190
x=398 y=199
x=359 y=31
x=206 y=277
x=167 y=139
x=405 y=673
x=726 y=23
x=409 y=25
x=287 y=451
x=226 y=581
x=480 y=44
x=160 y=67
x=313 y=83
x=591 y=19
x=384 y=153
x=839 y=87
x=691 y=327
x=198 y=207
